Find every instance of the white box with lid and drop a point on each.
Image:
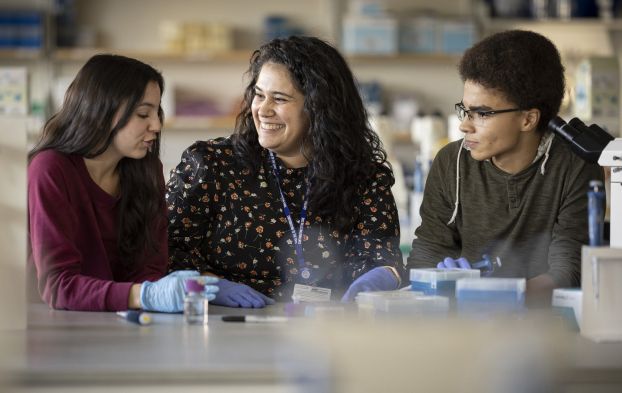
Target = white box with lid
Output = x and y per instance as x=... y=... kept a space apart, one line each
x=442 y=282
x=490 y=295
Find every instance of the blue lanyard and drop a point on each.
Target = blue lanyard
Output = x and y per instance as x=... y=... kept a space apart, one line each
x=305 y=273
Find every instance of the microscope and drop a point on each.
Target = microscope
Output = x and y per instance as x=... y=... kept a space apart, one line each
x=596 y=145
x=601 y=267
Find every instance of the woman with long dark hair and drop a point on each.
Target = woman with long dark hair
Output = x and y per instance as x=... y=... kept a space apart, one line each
x=299 y=197
x=97 y=214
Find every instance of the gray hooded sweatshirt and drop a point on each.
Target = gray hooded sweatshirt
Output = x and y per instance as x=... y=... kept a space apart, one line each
x=534 y=220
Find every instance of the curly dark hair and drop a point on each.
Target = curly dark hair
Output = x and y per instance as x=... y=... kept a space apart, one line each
x=85 y=126
x=523 y=65
x=345 y=152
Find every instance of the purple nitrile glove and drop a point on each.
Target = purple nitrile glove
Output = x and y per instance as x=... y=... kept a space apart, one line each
x=450 y=263
x=377 y=279
x=233 y=294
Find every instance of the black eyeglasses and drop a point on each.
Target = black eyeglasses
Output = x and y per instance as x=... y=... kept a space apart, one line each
x=478 y=116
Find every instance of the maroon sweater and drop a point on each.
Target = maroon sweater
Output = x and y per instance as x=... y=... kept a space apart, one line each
x=73 y=238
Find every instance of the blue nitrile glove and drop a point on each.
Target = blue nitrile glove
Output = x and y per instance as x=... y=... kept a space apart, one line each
x=210 y=290
x=377 y=279
x=233 y=294
x=450 y=263
x=166 y=294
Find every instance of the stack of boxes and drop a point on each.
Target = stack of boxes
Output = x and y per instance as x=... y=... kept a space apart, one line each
x=368 y=29
x=21 y=30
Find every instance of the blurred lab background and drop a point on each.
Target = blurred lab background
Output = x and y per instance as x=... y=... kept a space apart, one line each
x=403 y=52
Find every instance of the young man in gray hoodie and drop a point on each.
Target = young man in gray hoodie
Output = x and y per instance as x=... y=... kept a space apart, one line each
x=509 y=188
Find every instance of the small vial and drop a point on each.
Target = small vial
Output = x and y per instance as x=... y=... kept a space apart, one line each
x=596 y=212
x=195 y=303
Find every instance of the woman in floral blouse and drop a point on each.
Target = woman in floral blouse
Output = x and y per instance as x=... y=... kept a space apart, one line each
x=302 y=152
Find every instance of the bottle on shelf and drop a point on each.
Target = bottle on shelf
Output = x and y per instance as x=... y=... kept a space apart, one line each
x=596 y=212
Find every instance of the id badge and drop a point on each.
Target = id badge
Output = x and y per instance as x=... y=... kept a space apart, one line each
x=309 y=294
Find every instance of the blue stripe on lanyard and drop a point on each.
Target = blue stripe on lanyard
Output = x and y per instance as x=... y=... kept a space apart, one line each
x=297 y=237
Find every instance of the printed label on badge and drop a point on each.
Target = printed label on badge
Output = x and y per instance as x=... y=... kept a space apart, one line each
x=309 y=294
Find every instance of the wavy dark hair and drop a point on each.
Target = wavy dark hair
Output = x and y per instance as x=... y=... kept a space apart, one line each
x=523 y=65
x=105 y=85
x=345 y=152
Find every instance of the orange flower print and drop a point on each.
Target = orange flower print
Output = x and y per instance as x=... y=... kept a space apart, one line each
x=259 y=229
x=367 y=245
x=269 y=245
x=242 y=265
x=367 y=201
x=234 y=196
x=187 y=222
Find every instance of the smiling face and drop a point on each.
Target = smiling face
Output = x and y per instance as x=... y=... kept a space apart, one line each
x=140 y=132
x=278 y=114
x=509 y=139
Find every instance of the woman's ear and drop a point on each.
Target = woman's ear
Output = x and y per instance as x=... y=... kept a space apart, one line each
x=531 y=119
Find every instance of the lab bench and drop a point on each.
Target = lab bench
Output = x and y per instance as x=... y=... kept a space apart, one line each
x=98 y=351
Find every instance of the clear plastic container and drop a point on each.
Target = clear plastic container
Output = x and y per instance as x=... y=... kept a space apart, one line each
x=490 y=295
x=401 y=303
x=440 y=282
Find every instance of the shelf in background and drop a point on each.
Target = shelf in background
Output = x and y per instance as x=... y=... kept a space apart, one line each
x=241 y=55
x=21 y=54
x=404 y=58
x=200 y=123
x=496 y=24
x=83 y=54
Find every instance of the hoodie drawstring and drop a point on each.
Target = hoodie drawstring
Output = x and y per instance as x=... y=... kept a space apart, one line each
x=455 y=213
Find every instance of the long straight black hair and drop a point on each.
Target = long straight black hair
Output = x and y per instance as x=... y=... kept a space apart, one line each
x=346 y=153
x=105 y=87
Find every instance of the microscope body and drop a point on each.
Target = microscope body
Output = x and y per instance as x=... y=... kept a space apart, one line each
x=612 y=157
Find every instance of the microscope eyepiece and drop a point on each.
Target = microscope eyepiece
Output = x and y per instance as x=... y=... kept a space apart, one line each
x=586 y=142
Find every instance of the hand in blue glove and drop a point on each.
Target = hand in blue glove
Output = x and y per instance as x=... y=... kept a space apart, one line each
x=377 y=279
x=210 y=288
x=233 y=294
x=167 y=294
x=450 y=263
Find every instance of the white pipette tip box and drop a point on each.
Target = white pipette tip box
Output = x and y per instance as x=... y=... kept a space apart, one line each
x=401 y=303
x=567 y=302
x=490 y=295
x=442 y=282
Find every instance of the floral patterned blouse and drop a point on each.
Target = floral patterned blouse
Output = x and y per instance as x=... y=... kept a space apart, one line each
x=225 y=221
